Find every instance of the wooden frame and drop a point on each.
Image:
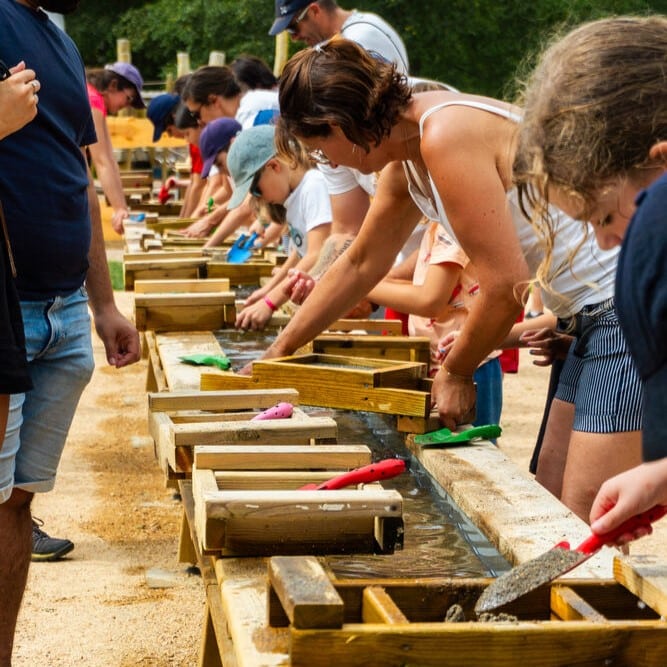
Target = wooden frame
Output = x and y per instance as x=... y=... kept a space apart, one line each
x=248 y=273
x=396 y=348
x=158 y=269
x=281 y=520
x=332 y=381
x=394 y=622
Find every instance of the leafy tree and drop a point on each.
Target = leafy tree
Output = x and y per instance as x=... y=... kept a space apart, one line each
x=475 y=45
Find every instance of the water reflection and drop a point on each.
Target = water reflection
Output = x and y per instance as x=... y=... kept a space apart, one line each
x=439 y=541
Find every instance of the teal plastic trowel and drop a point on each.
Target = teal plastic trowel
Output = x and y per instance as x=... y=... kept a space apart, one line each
x=444 y=437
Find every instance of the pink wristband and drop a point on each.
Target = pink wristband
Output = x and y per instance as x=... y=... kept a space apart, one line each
x=270 y=304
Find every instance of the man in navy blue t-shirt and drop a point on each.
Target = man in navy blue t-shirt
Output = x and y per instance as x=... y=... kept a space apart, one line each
x=54 y=225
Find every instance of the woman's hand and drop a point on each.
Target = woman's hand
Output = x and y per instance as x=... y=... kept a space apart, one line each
x=455 y=398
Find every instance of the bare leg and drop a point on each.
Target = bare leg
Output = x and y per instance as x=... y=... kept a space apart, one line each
x=554 y=451
x=16 y=541
x=592 y=459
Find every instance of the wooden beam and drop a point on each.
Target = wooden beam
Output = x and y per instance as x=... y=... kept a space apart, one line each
x=305 y=592
x=378 y=607
x=646 y=577
x=220 y=400
x=281 y=457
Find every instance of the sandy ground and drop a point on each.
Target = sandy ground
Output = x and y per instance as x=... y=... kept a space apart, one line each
x=95 y=608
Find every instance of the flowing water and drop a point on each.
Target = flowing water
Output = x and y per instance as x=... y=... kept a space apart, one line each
x=439 y=539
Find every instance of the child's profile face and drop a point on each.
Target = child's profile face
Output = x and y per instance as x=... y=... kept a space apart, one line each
x=609 y=215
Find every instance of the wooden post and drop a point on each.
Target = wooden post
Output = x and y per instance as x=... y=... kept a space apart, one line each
x=217 y=58
x=182 y=64
x=282 y=52
x=123 y=50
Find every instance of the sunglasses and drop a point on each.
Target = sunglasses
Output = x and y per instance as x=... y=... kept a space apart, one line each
x=255 y=190
x=292 y=27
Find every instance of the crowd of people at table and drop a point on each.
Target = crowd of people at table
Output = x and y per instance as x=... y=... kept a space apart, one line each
x=446 y=208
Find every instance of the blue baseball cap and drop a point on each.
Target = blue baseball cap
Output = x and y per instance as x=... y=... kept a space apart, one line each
x=159 y=110
x=285 y=12
x=251 y=150
x=215 y=137
x=131 y=73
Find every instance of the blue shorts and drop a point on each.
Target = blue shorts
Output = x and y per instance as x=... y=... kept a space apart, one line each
x=60 y=360
x=599 y=376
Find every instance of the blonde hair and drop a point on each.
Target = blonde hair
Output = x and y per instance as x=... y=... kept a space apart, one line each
x=593 y=107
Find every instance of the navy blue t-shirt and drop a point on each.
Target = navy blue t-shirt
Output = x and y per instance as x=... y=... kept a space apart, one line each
x=43 y=176
x=641 y=302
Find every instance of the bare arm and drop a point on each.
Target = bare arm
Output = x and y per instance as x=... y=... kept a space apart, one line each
x=120 y=337
x=107 y=171
x=358 y=269
x=241 y=215
x=192 y=195
x=427 y=300
x=348 y=211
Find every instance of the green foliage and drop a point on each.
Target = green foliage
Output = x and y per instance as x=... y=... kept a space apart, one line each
x=475 y=45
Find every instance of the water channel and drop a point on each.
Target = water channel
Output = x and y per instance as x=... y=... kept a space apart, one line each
x=440 y=541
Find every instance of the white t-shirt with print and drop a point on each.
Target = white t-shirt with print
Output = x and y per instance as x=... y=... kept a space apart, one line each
x=253 y=102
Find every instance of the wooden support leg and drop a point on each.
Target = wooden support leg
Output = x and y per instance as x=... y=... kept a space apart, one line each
x=209 y=654
x=186 y=549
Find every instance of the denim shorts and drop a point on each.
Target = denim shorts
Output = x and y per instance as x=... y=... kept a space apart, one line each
x=60 y=360
x=599 y=376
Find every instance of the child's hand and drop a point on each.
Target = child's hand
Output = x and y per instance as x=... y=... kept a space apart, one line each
x=298 y=286
x=445 y=344
x=254 y=317
x=546 y=343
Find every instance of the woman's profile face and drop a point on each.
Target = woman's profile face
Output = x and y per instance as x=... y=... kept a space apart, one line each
x=337 y=150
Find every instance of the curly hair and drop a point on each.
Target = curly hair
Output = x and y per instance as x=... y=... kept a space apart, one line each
x=593 y=107
x=338 y=82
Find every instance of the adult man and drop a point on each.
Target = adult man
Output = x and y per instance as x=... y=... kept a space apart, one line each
x=50 y=202
x=349 y=189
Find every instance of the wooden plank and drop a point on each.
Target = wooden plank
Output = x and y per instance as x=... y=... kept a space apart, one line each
x=272 y=431
x=380 y=327
x=465 y=645
x=646 y=577
x=281 y=457
x=293 y=522
x=241 y=480
x=184 y=317
x=305 y=592
x=198 y=299
x=397 y=348
x=259 y=399
x=248 y=273
x=195 y=416
x=378 y=607
x=158 y=256
x=243 y=593
x=156 y=379
x=570 y=606
x=171 y=346
x=210 y=285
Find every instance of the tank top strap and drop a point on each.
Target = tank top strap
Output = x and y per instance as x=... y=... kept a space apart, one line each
x=468 y=103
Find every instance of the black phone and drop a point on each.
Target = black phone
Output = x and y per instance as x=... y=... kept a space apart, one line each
x=4 y=71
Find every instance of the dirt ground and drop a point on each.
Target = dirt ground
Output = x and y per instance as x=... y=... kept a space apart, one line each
x=95 y=608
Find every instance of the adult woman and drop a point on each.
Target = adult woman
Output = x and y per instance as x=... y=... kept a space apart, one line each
x=453 y=155
x=594 y=135
x=111 y=89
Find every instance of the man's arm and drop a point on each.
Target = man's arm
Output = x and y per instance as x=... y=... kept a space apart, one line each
x=119 y=335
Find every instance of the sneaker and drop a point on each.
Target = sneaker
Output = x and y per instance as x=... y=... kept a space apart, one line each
x=46 y=548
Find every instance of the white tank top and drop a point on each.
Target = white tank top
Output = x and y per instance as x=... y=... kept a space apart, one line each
x=585 y=278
